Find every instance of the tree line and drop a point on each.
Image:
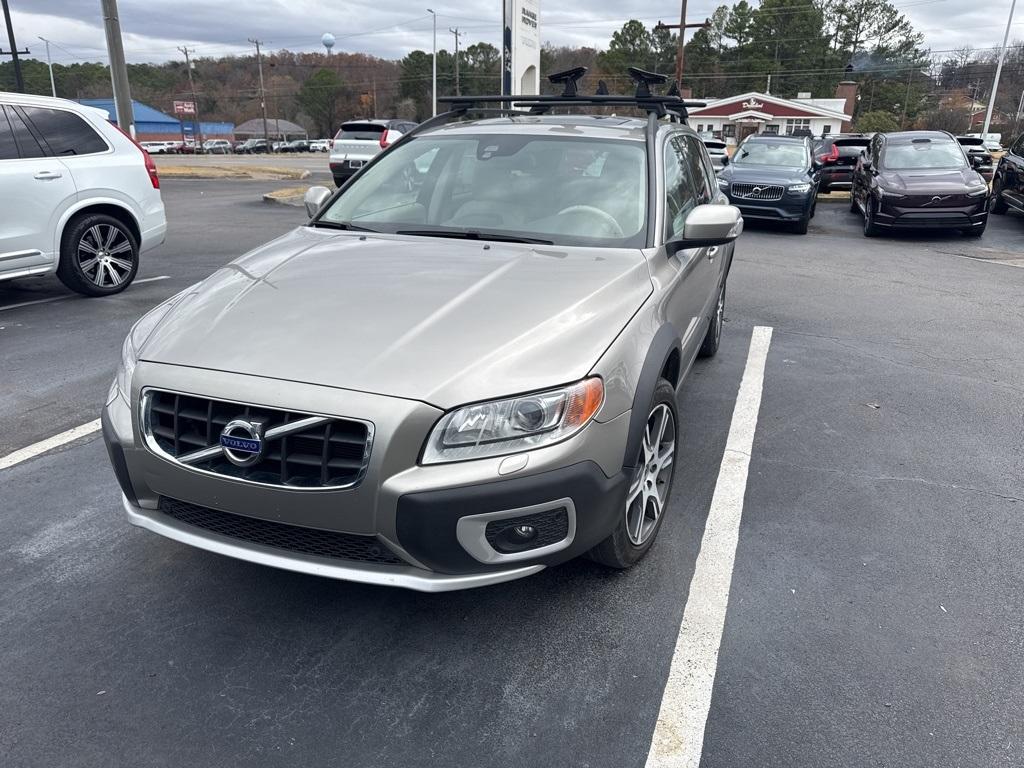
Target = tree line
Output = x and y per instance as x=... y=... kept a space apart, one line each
x=782 y=46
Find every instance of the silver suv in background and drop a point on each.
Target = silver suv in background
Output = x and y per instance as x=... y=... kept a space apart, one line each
x=473 y=365
x=359 y=141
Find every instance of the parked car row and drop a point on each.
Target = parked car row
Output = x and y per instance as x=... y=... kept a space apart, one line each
x=900 y=180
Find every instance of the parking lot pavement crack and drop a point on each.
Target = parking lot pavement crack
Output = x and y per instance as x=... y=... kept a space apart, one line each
x=895 y=479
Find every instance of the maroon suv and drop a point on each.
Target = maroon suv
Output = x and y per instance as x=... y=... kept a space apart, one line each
x=918 y=180
x=837 y=155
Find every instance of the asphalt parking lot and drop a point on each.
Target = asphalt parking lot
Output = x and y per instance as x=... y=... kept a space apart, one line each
x=874 y=613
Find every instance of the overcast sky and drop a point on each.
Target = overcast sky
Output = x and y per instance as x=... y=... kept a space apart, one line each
x=391 y=28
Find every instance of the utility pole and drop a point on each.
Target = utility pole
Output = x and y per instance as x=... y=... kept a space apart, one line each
x=19 y=81
x=457 y=34
x=49 y=64
x=197 y=133
x=263 y=95
x=118 y=68
x=995 y=80
x=433 y=63
x=903 y=117
x=682 y=26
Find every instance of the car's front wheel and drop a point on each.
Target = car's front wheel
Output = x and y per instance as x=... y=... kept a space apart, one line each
x=996 y=204
x=650 y=487
x=870 y=227
x=99 y=255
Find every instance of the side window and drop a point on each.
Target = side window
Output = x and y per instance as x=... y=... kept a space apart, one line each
x=704 y=184
x=26 y=140
x=680 y=195
x=8 y=149
x=65 y=132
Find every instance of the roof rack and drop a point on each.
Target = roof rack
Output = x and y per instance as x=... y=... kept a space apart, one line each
x=670 y=105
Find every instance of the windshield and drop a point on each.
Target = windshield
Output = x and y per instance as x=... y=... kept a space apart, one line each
x=564 y=190
x=772 y=153
x=923 y=154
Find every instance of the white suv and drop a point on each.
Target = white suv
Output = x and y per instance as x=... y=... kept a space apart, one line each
x=359 y=141
x=80 y=198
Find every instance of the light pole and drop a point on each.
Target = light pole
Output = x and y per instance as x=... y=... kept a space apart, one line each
x=433 y=64
x=49 y=63
x=999 y=69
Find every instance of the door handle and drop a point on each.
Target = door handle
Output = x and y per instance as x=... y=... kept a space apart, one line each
x=48 y=175
x=712 y=252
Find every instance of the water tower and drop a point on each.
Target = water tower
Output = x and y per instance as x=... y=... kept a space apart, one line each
x=328 y=42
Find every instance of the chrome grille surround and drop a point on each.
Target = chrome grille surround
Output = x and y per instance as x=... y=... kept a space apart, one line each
x=767 y=192
x=282 y=425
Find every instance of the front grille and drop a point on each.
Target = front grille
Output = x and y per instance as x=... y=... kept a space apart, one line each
x=757 y=191
x=552 y=526
x=932 y=220
x=328 y=453
x=292 y=538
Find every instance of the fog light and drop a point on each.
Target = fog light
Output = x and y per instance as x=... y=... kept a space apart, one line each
x=524 y=533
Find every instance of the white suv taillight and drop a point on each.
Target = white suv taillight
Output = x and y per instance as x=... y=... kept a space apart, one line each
x=384 y=143
x=154 y=177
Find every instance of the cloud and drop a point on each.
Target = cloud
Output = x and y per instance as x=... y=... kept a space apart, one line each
x=153 y=29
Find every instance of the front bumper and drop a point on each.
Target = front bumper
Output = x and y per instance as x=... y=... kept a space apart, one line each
x=895 y=216
x=413 y=512
x=790 y=208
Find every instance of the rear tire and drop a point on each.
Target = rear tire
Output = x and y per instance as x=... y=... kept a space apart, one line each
x=650 y=488
x=996 y=204
x=713 y=337
x=99 y=256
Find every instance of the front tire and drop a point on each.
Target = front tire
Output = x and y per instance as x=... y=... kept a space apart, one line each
x=800 y=226
x=99 y=256
x=650 y=488
x=870 y=227
x=996 y=204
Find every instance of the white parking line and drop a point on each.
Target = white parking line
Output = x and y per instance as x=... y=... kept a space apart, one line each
x=62 y=298
x=679 y=734
x=24 y=454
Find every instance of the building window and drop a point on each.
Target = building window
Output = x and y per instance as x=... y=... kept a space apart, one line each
x=826 y=129
x=729 y=130
x=774 y=129
x=793 y=124
x=700 y=127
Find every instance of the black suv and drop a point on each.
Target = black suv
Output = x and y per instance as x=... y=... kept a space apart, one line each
x=772 y=177
x=1008 y=180
x=837 y=155
x=978 y=154
x=918 y=180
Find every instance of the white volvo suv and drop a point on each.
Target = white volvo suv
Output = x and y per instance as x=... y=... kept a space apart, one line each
x=79 y=197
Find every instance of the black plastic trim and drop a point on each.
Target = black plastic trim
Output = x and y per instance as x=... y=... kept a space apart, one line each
x=426 y=521
x=665 y=340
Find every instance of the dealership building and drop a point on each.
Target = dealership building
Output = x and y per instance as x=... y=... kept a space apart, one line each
x=736 y=117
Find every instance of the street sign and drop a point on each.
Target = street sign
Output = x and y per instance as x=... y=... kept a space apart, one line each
x=184 y=107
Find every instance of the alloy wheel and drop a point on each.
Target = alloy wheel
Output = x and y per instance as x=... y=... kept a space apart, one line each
x=719 y=315
x=648 y=492
x=105 y=255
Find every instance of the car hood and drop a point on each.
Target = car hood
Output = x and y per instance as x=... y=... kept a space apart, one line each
x=439 y=320
x=924 y=180
x=764 y=174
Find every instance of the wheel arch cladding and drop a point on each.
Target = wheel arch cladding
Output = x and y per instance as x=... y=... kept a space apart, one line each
x=123 y=215
x=664 y=354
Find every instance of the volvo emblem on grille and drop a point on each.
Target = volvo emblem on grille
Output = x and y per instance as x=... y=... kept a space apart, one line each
x=242 y=442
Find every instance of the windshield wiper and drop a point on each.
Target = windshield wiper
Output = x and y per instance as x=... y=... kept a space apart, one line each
x=347 y=225
x=474 y=234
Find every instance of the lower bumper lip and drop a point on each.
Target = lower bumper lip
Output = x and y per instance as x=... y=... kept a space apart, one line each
x=386 y=576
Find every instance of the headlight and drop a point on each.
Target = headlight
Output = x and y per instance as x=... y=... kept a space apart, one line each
x=887 y=193
x=977 y=191
x=516 y=424
x=799 y=188
x=137 y=337
x=723 y=183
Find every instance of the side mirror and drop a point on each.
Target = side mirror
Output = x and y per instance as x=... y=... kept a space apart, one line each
x=706 y=226
x=315 y=199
